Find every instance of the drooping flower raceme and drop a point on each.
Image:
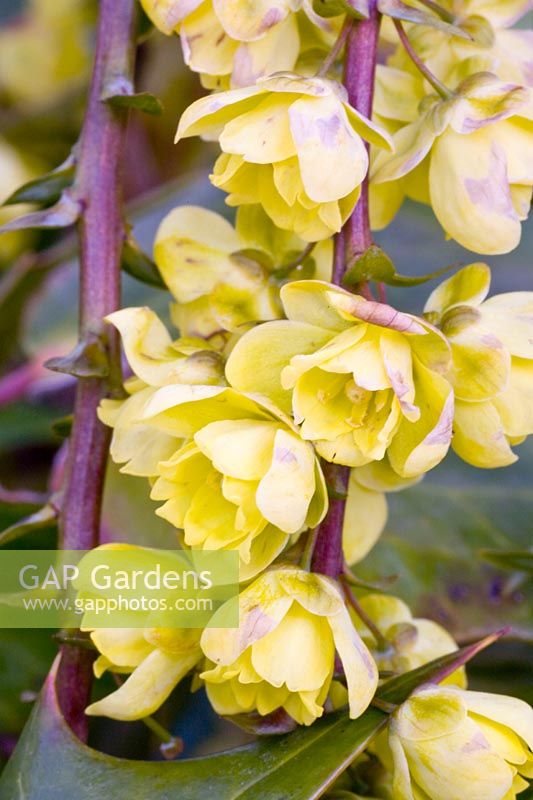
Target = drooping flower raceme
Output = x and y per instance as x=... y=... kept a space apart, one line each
x=224 y=276
x=492 y=364
x=244 y=479
x=273 y=135
x=363 y=380
x=473 y=156
x=156 y=361
x=283 y=653
x=445 y=743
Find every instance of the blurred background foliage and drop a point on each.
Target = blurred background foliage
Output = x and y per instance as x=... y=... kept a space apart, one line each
x=435 y=530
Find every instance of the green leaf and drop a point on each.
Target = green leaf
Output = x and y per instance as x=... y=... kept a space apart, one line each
x=120 y=93
x=44 y=518
x=300 y=766
x=44 y=190
x=332 y=8
x=399 y=10
x=61 y=215
x=518 y=560
x=375 y=265
x=140 y=266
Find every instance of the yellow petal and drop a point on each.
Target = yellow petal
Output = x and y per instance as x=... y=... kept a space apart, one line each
x=470 y=192
x=479 y=438
x=359 y=667
x=208 y=115
x=238 y=448
x=124 y=647
x=277 y=50
x=205 y=45
x=469 y=286
x=262 y=135
x=252 y=20
x=147 y=688
x=323 y=135
x=285 y=492
x=515 y=404
x=298 y=653
x=364 y=521
x=419 y=446
x=256 y=361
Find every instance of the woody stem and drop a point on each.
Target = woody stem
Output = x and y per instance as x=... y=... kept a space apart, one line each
x=101 y=233
x=353 y=240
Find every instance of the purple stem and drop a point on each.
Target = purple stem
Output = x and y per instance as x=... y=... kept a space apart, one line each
x=354 y=239
x=101 y=233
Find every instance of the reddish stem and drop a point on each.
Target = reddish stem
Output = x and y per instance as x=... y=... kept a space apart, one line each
x=101 y=234
x=354 y=239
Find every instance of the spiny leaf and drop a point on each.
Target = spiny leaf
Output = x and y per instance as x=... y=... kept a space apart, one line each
x=518 y=560
x=61 y=215
x=140 y=266
x=44 y=190
x=44 y=518
x=375 y=265
x=301 y=765
x=399 y=10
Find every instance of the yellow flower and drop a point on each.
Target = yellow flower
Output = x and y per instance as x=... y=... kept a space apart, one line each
x=238 y=42
x=223 y=277
x=493 y=47
x=273 y=135
x=243 y=480
x=156 y=361
x=492 y=366
x=472 y=156
x=445 y=743
x=363 y=379
x=283 y=653
x=366 y=509
x=414 y=641
x=157 y=658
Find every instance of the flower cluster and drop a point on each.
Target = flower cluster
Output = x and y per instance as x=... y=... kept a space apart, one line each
x=279 y=376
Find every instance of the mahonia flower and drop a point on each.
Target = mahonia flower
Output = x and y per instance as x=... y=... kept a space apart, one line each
x=223 y=277
x=445 y=743
x=414 y=641
x=237 y=43
x=363 y=379
x=492 y=364
x=472 y=154
x=493 y=46
x=156 y=361
x=283 y=653
x=243 y=480
x=273 y=135
x=157 y=658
